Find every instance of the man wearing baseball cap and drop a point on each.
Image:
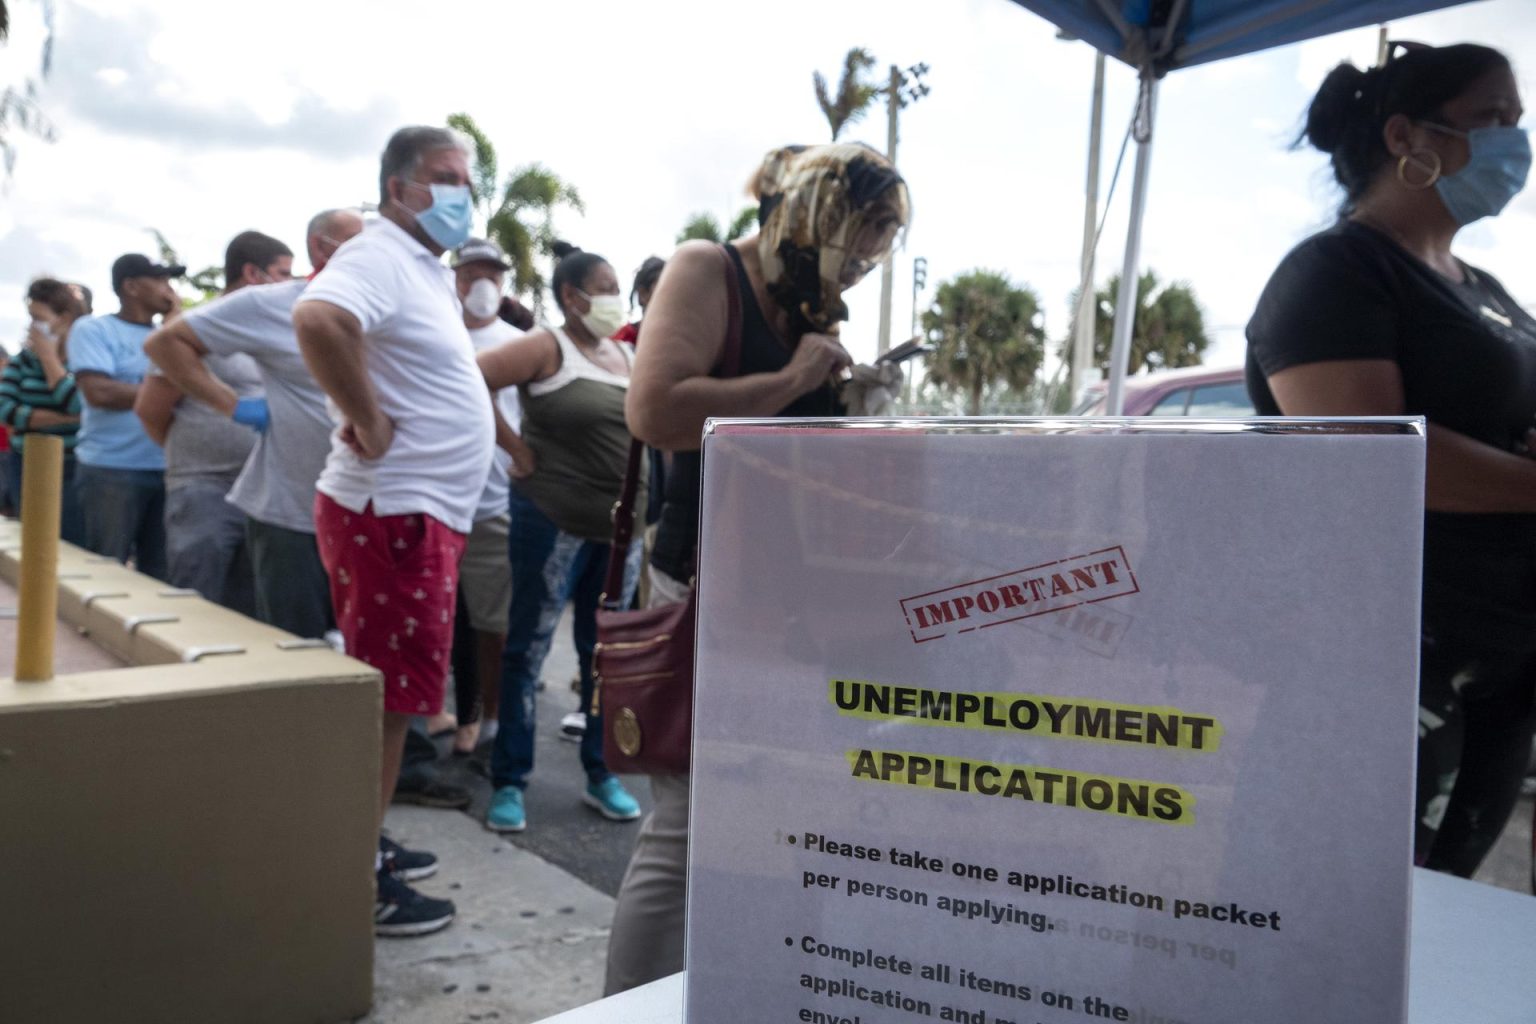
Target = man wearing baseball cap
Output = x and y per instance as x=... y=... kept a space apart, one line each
x=121 y=471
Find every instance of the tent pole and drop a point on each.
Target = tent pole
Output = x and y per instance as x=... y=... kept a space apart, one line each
x=1082 y=343
x=893 y=104
x=1125 y=302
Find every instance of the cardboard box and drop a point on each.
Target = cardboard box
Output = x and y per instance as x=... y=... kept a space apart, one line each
x=186 y=841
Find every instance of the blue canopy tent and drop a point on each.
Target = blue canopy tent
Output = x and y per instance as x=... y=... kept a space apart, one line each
x=1158 y=36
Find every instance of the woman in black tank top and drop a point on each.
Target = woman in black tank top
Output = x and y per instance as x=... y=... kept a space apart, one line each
x=762 y=351
x=747 y=329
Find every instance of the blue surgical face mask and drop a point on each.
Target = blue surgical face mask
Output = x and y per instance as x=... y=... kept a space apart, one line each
x=447 y=220
x=1495 y=172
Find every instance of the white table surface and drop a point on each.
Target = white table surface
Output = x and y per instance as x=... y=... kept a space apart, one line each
x=1473 y=962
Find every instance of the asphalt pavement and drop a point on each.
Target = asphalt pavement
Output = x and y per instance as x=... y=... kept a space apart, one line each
x=561 y=829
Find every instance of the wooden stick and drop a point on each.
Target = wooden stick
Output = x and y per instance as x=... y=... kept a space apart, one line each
x=41 y=495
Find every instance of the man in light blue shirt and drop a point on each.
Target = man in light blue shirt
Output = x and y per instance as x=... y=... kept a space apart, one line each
x=121 y=473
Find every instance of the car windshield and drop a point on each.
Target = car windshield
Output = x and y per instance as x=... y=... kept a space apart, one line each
x=1221 y=400
x=1090 y=402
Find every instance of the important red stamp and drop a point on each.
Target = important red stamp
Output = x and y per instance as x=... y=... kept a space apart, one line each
x=1021 y=594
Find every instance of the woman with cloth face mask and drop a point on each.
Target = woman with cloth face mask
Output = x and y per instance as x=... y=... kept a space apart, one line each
x=1377 y=317
x=827 y=215
x=572 y=381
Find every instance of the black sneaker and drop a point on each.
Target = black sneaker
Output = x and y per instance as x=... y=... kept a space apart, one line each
x=400 y=911
x=426 y=789
x=406 y=865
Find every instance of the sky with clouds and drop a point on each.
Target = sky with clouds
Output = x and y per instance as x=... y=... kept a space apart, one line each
x=203 y=120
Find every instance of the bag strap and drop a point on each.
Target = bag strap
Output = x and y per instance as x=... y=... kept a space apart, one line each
x=729 y=365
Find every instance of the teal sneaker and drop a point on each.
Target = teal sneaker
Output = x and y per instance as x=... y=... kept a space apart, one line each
x=506 y=813
x=610 y=799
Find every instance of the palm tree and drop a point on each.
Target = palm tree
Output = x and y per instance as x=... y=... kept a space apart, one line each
x=484 y=172
x=196 y=288
x=854 y=94
x=706 y=227
x=525 y=224
x=19 y=106
x=168 y=254
x=520 y=216
x=702 y=226
x=744 y=224
x=1169 y=330
x=988 y=334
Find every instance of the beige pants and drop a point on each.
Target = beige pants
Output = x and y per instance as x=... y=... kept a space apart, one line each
x=647 y=940
x=485 y=575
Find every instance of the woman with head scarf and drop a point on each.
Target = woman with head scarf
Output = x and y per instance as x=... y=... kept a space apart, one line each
x=828 y=215
x=1376 y=316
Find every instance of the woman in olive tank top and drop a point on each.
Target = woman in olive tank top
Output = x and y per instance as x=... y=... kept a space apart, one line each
x=572 y=381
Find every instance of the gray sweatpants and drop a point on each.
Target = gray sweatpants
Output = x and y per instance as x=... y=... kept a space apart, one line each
x=647 y=939
x=205 y=544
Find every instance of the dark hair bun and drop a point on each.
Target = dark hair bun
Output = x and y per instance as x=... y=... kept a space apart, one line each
x=1333 y=109
x=562 y=249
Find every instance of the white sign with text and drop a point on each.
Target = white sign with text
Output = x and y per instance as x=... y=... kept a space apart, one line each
x=1055 y=723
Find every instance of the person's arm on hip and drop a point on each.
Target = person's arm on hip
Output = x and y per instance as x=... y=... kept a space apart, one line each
x=331 y=340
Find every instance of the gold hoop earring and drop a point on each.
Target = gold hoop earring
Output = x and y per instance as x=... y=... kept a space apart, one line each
x=1402 y=167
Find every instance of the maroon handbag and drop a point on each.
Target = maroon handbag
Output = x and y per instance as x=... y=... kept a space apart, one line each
x=643 y=661
x=643 y=664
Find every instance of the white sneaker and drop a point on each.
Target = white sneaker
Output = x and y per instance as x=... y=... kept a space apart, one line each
x=573 y=726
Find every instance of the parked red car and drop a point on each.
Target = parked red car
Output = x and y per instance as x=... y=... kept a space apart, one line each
x=1196 y=391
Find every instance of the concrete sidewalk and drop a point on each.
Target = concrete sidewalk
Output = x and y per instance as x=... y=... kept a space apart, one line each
x=530 y=940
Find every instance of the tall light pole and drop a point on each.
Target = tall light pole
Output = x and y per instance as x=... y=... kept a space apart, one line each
x=919 y=282
x=904 y=87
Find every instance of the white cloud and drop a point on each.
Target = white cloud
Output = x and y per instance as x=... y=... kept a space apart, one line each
x=204 y=119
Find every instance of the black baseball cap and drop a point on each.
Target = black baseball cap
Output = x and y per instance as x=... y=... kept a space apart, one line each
x=137 y=265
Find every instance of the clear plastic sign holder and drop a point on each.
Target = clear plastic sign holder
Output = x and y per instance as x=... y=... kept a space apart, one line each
x=1055 y=720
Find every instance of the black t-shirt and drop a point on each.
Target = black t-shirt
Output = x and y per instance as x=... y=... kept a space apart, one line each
x=1467 y=354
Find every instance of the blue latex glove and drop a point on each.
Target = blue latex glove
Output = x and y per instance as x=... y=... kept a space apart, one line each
x=252 y=412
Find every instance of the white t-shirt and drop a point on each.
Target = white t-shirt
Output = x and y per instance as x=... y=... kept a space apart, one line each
x=494 y=501
x=422 y=365
x=277 y=485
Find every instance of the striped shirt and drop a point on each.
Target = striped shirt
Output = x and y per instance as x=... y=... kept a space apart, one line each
x=24 y=389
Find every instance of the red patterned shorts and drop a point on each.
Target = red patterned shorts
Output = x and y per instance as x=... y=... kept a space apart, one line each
x=393 y=581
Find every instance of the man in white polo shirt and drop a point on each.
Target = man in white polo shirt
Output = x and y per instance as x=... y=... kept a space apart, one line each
x=383 y=333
